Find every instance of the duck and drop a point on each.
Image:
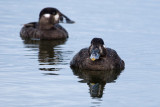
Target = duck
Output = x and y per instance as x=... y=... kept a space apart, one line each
x=97 y=57
x=47 y=27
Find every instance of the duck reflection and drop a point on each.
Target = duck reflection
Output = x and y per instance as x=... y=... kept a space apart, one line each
x=48 y=52
x=96 y=80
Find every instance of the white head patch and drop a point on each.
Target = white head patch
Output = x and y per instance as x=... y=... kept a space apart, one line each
x=56 y=16
x=104 y=46
x=47 y=15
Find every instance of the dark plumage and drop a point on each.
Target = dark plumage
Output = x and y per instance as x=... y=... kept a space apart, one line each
x=97 y=57
x=47 y=27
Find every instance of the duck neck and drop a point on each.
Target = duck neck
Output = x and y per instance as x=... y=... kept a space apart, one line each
x=45 y=26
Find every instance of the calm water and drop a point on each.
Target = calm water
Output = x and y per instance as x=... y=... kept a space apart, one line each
x=37 y=73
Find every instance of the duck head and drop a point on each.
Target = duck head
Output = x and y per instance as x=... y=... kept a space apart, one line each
x=97 y=49
x=51 y=16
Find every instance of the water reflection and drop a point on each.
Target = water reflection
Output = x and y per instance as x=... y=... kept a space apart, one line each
x=48 y=53
x=96 y=80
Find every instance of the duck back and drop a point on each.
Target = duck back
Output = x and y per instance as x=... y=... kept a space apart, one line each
x=32 y=30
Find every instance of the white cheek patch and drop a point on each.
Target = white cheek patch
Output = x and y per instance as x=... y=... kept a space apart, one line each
x=56 y=17
x=100 y=48
x=47 y=15
x=104 y=46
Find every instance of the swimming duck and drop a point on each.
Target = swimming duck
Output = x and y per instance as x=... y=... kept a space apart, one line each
x=97 y=57
x=47 y=27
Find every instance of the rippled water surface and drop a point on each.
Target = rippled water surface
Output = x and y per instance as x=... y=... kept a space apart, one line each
x=37 y=73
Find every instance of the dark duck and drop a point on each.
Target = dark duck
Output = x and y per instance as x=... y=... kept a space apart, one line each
x=97 y=57
x=47 y=27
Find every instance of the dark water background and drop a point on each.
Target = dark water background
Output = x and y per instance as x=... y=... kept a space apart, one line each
x=37 y=73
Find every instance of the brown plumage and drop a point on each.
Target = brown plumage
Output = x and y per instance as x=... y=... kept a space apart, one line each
x=47 y=27
x=97 y=57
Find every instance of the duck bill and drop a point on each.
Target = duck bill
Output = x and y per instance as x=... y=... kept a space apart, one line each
x=94 y=55
x=65 y=19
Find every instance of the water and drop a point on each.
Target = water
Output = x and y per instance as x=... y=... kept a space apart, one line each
x=37 y=73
